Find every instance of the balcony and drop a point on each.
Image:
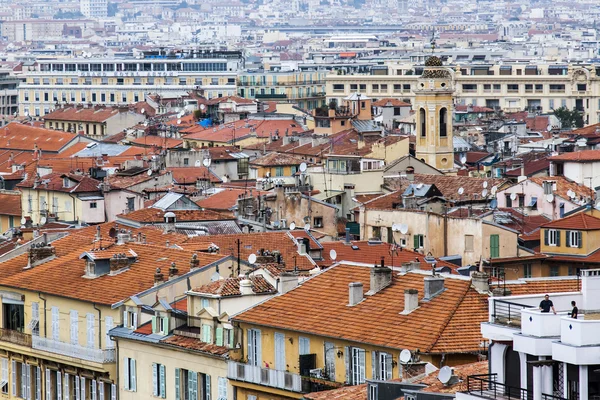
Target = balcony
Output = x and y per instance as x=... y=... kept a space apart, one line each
x=264 y=376
x=15 y=337
x=70 y=350
x=579 y=332
x=485 y=386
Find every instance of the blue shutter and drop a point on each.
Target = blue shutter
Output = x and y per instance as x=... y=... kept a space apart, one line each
x=177 y=384
x=162 y=375
x=154 y=379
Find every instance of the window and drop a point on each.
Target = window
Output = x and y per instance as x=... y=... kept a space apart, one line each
x=318 y=222
x=553 y=270
x=93 y=204
x=355 y=365
x=90 y=328
x=254 y=347
x=131 y=204
x=533 y=203
x=422 y=122
x=13 y=316
x=74 y=318
x=419 y=241
x=376 y=232
x=206 y=333
x=552 y=237
x=158 y=380
x=521 y=200
x=129 y=374
x=373 y=392
x=160 y=325
x=190 y=385
x=508 y=200
x=526 y=270
x=278 y=171
x=494 y=246
x=469 y=242
x=108 y=325
x=186 y=161
x=130 y=319
x=222 y=388
x=304 y=345
x=443 y=122
x=382 y=365
x=512 y=88
x=551 y=104
x=574 y=239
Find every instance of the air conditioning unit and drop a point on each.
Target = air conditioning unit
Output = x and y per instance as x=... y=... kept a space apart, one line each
x=316 y=373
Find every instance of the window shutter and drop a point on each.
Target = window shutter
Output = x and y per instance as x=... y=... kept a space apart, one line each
x=154 y=328
x=231 y=338
x=579 y=236
x=94 y=389
x=361 y=363
x=77 y=391
x=546 y=237
x=48 y=388
x=35 y=314
x=109 y=324
x=66 y=386
x=101 y=390
x=416 y=239
x=347 y=362
x=113 y=392
x=59 y=384
x=24 y=381
x=177 y=391
x=27 y=393
x=374 y=362
x=567 y=241
x=219 y=340
x=163 y=389
x=207 y=386
x=558 y=238
x=154 y=379
x=166 y=325
x=125 y=319
x=74 y=327
x=5 y=370
x=134 y=327
x=82 y=387
x=388 y=367
x=90 y=330
x=133 y=377
x=14 y=378
x=38 y=382
x=258 y=347
x=190 y=378
x=126 y=373
x=55 y=322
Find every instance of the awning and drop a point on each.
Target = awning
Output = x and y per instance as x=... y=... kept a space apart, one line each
x=533 y=202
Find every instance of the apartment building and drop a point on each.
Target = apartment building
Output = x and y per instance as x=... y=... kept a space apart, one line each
x=8 y=93
x=94 y=8
x=511 y=86
x=305 y=88
x=119 y=81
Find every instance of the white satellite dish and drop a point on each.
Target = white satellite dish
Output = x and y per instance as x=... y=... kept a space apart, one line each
x=405 y=356
x=550 y=198
x=202 y=106
x=463 y=159
x=149 y=172
x=494 y=189
x=307 y=227
x=178 y=122
x=198 y=163
x=571 y=193
x=485 y=184
x=403 y=229
x=23 y=220
x=43 y=221
x=461 y=190
x=303 y=167
x=224 y=179
x=445 y=374
x=206 y=162
x=143 y=110
x=484 y=193
x=252 y=258
x=268 y=174
x=513 y=196
x=215 y=277
x=292 y=226
x=333 y=254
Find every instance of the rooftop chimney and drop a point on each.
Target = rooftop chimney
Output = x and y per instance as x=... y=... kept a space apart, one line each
x=246 y=287
x=355 y=293
x=123 y=237
x=480 y=280
x=173 y=271
x=411 y=300
x=347 y=236
x=381 y=277
x=194 y=262
x=590 y=288
x=410 y=266
x=434 y=285
x=158 y=277
x=287 y=281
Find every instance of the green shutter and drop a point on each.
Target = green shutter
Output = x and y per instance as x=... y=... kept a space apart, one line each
x=579 y=236
x=416 y=239
x=166 y=325
x=177 y=389
x=162 y=374
x=231 y=339
x=219 y=337
x=558 y=238
x=494 y=246
x=154 y=328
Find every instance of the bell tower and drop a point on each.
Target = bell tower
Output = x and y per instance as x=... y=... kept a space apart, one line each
x=433 y=107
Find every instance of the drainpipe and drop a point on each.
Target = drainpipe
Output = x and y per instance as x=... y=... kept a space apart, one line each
x=74 y=210
x=99 y=326
x=45 y=326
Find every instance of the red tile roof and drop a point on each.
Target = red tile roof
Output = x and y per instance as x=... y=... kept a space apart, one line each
x=578 y=156
x=226 y=199
x=258 y=128
x=165 y=143
x=16 y=136
x=277 y=159
x=55 y=182
x=189 y=175
x=391 y=102
x=10 y=203
x=190 y=343
x=580 y=221
x=89 y=114
x=155 y=215
x=231 y=286
x=563 y=185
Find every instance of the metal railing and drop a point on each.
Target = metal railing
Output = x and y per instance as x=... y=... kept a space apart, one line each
x=486 y=386
x=15 y=337
x=102 y=356
x=507 y=313
x=264 y=376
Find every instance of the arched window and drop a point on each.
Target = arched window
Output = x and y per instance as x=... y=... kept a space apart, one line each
x=443 y=122
x=423 y=121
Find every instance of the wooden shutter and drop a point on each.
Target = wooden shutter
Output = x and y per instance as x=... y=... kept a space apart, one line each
x=579 y=237
x=113 y=392
x=280 y=364
x=5 y=370
x=125 y=319
x=82 y=387
x=154 y=323
x=165 y=326
x=154 y=379
x=347 y=362
x=38 y=384
x=59 y=384
x=126 y=373
x=162 y=376
x=207 y=386
x=90 y=330
x=177 y=384
x=67 y=376
x=558 y=238
x=416 y=241
x=101 y=390
x=546 y=236
x=74 y=327
x=24 y=382
x=48 y=388
x=132 y=372
x=134 y=327
x=109 y=324
x=219 y=339
x=55 y=324
x=14 y=378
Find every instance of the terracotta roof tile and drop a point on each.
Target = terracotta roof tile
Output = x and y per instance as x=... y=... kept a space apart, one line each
x=578 y=156
x=16 y=136
x=154 y=215
x=194 y=344
x=226 y=199
x=390 y=102
x=231 y=286
x=258 y=128
x=91 y=114
x=273 y=159
x=10 y=204
x=55 y=182
x=449 y=185
x=580 y=221
x=165 y=143
x=563 y=186
x=187 y=175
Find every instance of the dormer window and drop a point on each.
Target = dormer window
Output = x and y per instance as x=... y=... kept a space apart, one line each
x=574 y=239
x=66 y=182
x=160 y=325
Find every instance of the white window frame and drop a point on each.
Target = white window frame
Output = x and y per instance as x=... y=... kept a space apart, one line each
x=553 y=237
x=573 y=238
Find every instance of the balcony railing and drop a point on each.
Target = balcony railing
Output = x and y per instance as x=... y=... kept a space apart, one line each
x=15 y=337
x=486 y=386
x=102 y=356
x=507 y=313
x=264 y=376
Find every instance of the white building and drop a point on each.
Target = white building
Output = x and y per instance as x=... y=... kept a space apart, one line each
x=94 y=8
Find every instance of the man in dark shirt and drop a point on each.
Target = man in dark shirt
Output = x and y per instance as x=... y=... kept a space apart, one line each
x=547 y=304
x=575 y=311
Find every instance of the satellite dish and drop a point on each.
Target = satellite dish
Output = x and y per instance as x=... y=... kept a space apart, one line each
x=445 y=374
x=571 y=194
x=43 y=221
x=405 y=356
x=206 y=162
x=180 y=114
x=463 y=159
x=550 y=198
x=494 y=189
x=403 y=229
x=268 y=174
x=197 y=163
x=224 y=179
x=178 y=122
x=333 y=254
x=149 y=172
x=513 y=196
x=143 y=111
x=292 y=226
x=252 y=258
x=215 y=277
x=461 y=190
x=396 y=227
x=23 y=221
x=202 y=106
x=303 y=167
x=112 y=233
x=484 y=193
x=485 y=184
x=307 y=227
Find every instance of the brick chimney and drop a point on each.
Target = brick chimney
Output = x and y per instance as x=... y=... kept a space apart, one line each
x=381 y=277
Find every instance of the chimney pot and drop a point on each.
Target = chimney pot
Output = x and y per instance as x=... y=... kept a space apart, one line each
x=480 y=280
x=355 y=293
x=381 y=277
